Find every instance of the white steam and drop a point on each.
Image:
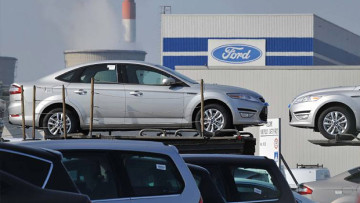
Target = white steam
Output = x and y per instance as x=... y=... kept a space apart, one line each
x=87 y=24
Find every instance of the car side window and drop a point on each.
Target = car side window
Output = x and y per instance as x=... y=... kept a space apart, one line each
x=27 y=167
x=66 y=77
x=102 y=73
x=254 y=184
x=354 y=178
x=142 y=75
x=152 y=175
x=92 y=174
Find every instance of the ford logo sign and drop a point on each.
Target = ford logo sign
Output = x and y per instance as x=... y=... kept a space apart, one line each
x=236 y=53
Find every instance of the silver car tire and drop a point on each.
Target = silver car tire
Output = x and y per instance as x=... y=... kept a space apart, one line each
x=216 y=117
x=336 y=120
x=52 y=122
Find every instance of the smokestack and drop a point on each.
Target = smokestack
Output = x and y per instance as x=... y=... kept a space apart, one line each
x=129 y=16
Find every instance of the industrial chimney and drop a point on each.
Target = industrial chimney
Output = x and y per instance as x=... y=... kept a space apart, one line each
x=129 y=16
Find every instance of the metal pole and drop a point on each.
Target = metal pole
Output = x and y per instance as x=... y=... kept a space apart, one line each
x=202 y=107
x=288 y=168
x=33 y=114
x=91 y=107
x=64 y=112
x=23 y=112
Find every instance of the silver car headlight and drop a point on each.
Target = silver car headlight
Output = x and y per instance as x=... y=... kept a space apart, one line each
x=310 y=98
x=243 y=97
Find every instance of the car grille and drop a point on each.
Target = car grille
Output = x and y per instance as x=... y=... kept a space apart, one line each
x=290 y=117
x=262 y=100
x=263 y=114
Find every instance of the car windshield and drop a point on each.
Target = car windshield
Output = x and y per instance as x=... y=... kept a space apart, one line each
x=177 y=74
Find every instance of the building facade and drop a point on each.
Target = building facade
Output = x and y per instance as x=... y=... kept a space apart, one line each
x=279 y=85
x=255 y=40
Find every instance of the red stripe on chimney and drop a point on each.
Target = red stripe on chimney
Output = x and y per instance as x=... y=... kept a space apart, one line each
x=128 y=9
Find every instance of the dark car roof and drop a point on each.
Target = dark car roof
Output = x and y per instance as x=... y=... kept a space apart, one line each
x=244 y=160
x=224 y=158
x=41 y=153
x=258 y=162
x=97 y=144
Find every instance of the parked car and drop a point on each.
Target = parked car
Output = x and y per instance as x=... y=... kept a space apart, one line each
x=14 y=189
x=306 y=173
x=35 y=175
x=242 y=178
x=126 y=171
x=333 y=189
x=329 y=111
x=133 y=95
x=209 y=191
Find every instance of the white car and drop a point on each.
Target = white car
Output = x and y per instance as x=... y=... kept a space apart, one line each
x=133 y=95
x=329 y=111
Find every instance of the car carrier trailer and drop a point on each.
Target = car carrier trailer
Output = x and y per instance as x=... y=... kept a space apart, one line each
x=237 y=143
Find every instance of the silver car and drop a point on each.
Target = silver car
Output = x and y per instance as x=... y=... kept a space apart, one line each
x=329 y=111
x=339 y=188
x=119 y=171
x=133 y=95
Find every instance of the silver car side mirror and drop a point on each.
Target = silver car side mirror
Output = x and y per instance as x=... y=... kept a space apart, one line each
x=168 y=81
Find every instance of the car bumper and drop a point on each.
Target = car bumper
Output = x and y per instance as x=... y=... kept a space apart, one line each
x=302 y=115
x=247 y=113
x=15 y=117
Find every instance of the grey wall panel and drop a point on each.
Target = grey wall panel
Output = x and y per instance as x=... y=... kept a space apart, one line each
x=279 y=86
x=237 y=25
x=73 y=58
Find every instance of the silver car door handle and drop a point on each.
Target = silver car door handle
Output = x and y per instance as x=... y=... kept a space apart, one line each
x=136 y=93
x=80 y=92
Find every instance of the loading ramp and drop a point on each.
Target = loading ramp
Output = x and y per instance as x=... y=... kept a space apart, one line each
x=338 y=141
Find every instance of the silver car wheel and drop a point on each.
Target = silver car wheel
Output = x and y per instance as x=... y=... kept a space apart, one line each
x=335 y=123
x=213 y=120
x=55 y=124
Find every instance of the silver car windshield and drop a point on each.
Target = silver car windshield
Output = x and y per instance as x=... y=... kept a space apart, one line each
x=177 y=74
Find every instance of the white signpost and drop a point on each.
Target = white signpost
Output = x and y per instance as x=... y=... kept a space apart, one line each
x=270 y=140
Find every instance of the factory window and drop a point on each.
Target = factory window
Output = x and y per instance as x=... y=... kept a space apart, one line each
x=142 y=75
x=103 y=73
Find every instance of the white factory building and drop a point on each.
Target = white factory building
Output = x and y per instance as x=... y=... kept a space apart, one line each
x=283 y=40
x=278 y=56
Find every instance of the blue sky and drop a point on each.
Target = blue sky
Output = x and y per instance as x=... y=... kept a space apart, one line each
x=38 y=31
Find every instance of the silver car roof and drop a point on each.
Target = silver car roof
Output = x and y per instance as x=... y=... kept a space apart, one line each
x=96 y=144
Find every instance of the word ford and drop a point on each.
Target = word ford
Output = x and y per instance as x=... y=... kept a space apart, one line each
x=230 y=52
x=236 y=53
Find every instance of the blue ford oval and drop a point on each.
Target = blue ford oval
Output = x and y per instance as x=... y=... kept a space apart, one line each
x=236 y=53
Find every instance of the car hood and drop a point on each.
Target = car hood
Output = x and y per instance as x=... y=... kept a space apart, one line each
x=327 y=91
x=227 y=89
